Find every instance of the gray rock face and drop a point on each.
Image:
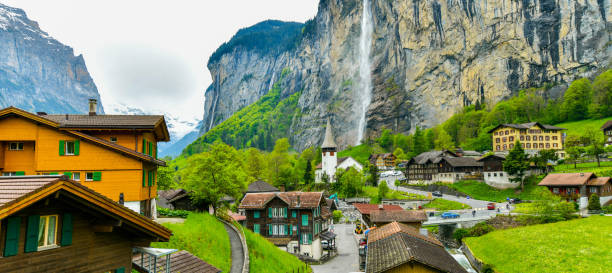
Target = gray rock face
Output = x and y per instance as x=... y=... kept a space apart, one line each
x=430 y=58
x=38 y=73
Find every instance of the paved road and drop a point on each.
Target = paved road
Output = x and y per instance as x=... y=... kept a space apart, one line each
x=348 y=255
x=237 y=251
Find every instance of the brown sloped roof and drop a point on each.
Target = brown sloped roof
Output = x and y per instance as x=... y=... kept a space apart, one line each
x=259 y=200
x=18 y=192
x=261 y=186
x=566 y=179
x=607 y=125
x=598 y=181
x=395 y=227
x=182 y=261
x=368 y=208
x=402 y=216
x=463 y=162
x=107 y=121
x=401 y=248
x=169 y=194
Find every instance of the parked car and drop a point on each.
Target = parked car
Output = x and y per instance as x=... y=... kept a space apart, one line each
x=437 y=193
x=491 y=206
x=516 y=201
x=363 y=242
x=449 y=215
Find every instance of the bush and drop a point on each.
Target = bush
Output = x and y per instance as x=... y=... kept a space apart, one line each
x=337 y=214
x=481 y=229
x=173 y=213
x=607 y=209
x=594 y=203
x=460 y=233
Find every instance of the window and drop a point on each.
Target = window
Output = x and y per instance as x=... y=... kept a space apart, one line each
x=16 y=146
x=511 y=139
x=497 y=140
x=593 y=189
x=528 y=138
x=331 y=153
x=547 y=138
x=89 y=176
x=76 y=176
x=541 y=145
x=547 y=145
x=554 y=138
x=47 y=231
x=511 y=146
x=70 y=148
x=541 y=138
x=306 y=238
x=504 y=139
x=522 y=138
x=113 y=139
x=555 y=145
x=505 y=147
x=13 y=173
x=497 y=147
x=304 y=219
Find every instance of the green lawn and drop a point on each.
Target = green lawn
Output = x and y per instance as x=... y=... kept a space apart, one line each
x=267 y=258
x=482 y=191
x=203 y=236
x=577 y=127
x=581 y=245
x=443 y=204
x=591 y=167
x=372 y=193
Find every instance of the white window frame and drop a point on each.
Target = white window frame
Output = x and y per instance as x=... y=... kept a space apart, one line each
x=76 y=176
x=66 y=147
x=86 y=176
x=9 y=174
x=46 y=244
x=556 y=190
x=17 y=146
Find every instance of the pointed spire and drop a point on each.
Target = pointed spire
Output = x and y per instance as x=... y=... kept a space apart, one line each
x=329 y=141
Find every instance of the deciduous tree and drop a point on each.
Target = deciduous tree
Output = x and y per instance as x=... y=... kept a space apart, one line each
x=516 y=163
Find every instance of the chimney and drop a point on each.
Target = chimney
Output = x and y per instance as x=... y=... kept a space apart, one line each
x=93 y=104
x=41 y=113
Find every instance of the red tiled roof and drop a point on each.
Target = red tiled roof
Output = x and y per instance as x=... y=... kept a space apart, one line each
x=181 y=261
x=367 y=208
x=259 y=200
x=237 y=217
x=566 y=179
x=402 y=216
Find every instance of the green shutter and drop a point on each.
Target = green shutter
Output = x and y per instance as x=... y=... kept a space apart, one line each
x=120 y=270
x=309 y=238
x=290 y=229
x=293 y=213
x=77 y=147
x=256 y=228
x=11 y=244
x=144 y=178
x=269 y=212
x=155 y=152
x=304 y=219
x=53 y=173
x=144 y=146
x=31 y=241
x=285 y=212
x=286 y=229
x=256 y=214
x=66 y=229
x=62 y=147
x=68 y=174
x=20 y=173
x=97 y=176
x=269 y=230
x=150 y=149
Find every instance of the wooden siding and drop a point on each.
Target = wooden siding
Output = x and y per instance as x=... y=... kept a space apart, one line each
x=412 y=267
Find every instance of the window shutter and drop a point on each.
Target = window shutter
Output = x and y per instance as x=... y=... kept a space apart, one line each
x=20 y=173
x=150 y=149
x=77 y=147
x=286 y=229
x=309 y=238
x=150 y=179
x=285 y=212
x=97 y=176
x=144 y=178
x=256 y=214
x=269 y=212
x=269 y=230
x=144 y=146
x=293 y=213
x=120 y=270
x=304 y=219
x=66 y=229
x=11 y=244
x=290 y=229
x=68 y=174
x=62 y=147
x=31 y=240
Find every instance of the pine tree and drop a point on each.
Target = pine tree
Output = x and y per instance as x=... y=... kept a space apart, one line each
x=308 y=173
x=516 y=163
x=594 y=203
x=418 y=141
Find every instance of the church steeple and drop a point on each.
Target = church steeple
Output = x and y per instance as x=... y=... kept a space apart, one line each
x=329 y=144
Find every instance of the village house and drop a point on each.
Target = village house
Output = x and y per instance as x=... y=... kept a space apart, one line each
x=115 y=155
x=330 y=161
x=607 y=131
x=294 y=221
x=179 y=199
x=52 y=224
x=578 y=186
x=383 y=161
x=442 y=166
x=366 y=209
x=400 y=248
x=413 y=218
x=533 y=136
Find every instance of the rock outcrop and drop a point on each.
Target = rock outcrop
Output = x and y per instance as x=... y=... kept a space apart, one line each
x=38 y=73
x=430 y=58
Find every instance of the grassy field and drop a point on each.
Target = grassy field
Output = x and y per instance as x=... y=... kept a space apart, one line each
x=203 y=236
x=372 y=193
x=443 y=204
x=267 y=258
x=577 y=127
x=590 y=167
x=482 y=191
x=548 y=247
x=362 y=152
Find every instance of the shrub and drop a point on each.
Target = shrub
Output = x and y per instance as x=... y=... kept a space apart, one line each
x=460 y=233
x=607 y=209
x=337 y=214
x=481 y=229
x=172 y=213
x=594 y=203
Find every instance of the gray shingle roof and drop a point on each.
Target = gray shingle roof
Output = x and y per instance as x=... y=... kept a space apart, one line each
x=181 y=261
x=106 y=121
x=329 y=141
x=261 y=186
x=463 y=162
x=527 y=126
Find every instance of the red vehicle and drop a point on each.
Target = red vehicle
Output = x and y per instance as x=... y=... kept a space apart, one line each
x=491 y=206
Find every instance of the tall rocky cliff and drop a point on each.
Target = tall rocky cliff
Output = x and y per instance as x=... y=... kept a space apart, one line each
x=429 y=59
x=38 y=73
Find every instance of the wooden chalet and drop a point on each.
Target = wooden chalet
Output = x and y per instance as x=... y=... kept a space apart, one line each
x=399 y=248
x=294 y=221
x=52 y=224
x=366 y=209
x=383 y=161
x=413 y=218
x=442 y=166
x=607 y=131
x=572 y=186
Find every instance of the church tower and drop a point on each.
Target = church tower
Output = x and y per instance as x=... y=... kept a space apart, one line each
x=329 y=161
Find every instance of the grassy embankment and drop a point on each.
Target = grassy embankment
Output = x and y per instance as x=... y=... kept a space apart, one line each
x=589 y=167
x=372 y=193
x=362 y=152
x=204 y=236
x=443 y=205
x=577 y=127
x=481 y=191
x=549 y=247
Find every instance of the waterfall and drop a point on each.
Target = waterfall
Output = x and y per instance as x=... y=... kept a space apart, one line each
x=271 y=81
x=365 y=69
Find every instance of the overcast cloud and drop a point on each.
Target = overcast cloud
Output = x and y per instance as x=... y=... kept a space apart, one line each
x=152 y=54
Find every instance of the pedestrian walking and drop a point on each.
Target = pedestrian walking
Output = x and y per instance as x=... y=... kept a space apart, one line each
x=508 y=206
x=473 y=213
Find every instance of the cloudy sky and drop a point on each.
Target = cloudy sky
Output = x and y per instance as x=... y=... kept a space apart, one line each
x=152 y=54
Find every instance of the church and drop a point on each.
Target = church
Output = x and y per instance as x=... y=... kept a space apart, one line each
x=330 y=161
